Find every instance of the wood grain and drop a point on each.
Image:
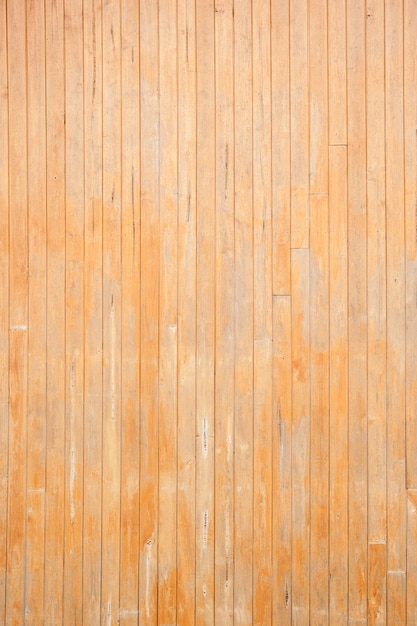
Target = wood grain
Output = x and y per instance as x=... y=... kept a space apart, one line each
x=208 y=287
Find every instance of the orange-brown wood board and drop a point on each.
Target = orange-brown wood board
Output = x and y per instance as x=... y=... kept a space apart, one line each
x=208 y=312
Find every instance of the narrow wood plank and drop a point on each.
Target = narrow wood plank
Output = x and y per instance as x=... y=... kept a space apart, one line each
x=396 y=598
x=186 y=424
x=205 y=278
x=377 y=584
x=338 y=430
x=300 y=436
x=299 y=109
x=35 y=539
x=396 y=477
x=281 y=146
x=74 y=323
x=4 y=304
x=37 y=313
x=56 y=380
x=18 y=314
x=319 y=379
x=93 y=315
x=412 y=557
x=130 y=435
x=112 y=314
x=337 y=72
x=357 y=328
x=281 y=477
x=410 y=160
x=376 y=271
x=149 y=353
x=225 y=333
x=243 y=495
x=168 y=316
x=318 y=96
x=262 y=298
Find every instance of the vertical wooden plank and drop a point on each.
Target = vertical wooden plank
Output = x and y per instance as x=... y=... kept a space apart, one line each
x=149 y=117
x=74 y=329
x=206 y=228
x=410 y=164
x=281 y=145
x=300 y=436
x=18 y=313
x=357 y=328
x=4 y=305
x=338 y=379
x=377 y=585
x=320 y=442
x=37 y=313
x=281 y=522
x=56 y=382
x=186 y=424
x=262 y=296
x=337 y=72
x=243 y=496
x=130 y=434
x=224 y=342
x=318 y=96
x=112 y=313
x=396 y=477
x=376 y=270
x=412 y=557
x=299 y=110
x=168 y=323
x=93 y=315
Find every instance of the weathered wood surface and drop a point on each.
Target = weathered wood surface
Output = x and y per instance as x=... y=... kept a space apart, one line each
x=208 y=312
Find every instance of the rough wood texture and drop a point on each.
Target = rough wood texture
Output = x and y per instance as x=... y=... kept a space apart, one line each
x=208 y=318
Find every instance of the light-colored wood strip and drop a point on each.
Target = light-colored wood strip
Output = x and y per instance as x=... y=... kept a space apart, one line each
x=396 y=598
x=412 y=557
x=149 y=353
x=377 y=584
x=300 y=436
x=338 y=431
x=410 y=162
x=35 y=530
x=74 y=330
x=319 y=375
x=93 y=316
x=56 y=382
x=112 y=314
x=262 y=482
x=18 y=314
x=225 y=333
x=376 y=271
x=243 y=495
x=337 y=75
x=130 y=176
x=37 y=312
x=318 y=96
x=410 y=104
x=281 y=477
x=206 y=228
x=16 y=523
x=4 y=305
x=168 y=313
x=396 y=475
x=299 y=111
x=186 y=495
x=281 y=146
x=262 y=297
x=357 y=328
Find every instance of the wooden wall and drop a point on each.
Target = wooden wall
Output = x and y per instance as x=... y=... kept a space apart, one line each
x=208 y=312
